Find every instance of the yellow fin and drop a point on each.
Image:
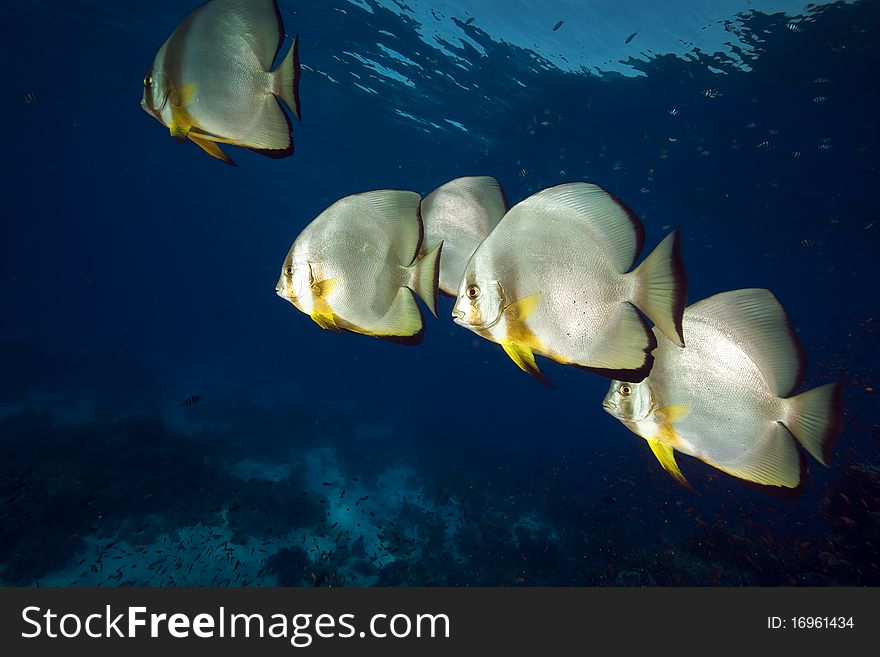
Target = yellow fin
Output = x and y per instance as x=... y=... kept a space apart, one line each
x=520 y=343
x=210 y=147
x=666 y=455
x=325 y=321
x=179 y=132
x=324 y=288
x=322 y=313
x=525 y=359
x=521 y=309
x=672 y=414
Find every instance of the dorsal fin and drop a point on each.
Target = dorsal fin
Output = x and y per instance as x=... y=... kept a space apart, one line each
x=483 y=191
x=610 y=222
x=755 y=321
x=258 y=22
x=397 y=213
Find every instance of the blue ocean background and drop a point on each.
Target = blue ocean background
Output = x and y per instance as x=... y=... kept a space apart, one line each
x=136 y=273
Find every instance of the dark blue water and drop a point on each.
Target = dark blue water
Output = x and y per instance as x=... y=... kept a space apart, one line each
x=136 y=272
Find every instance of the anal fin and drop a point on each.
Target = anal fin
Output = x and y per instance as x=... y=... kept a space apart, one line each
x=211 y=148
x=773 y=461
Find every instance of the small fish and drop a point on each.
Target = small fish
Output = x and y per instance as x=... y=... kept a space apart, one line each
x=711 y=93
x=522 y=173
x=356 y=267
x=29 y=97
x=191 y=401
x=630 y=37
x=673 y=112
x=211 y=82
x=469 y=20
x=807 y=242
x=793 y=26
x=820 y=99
x=751 y=125
x=460 y=214
x=821 y=81
x=795 y=154
x=726 y=398
x=553 y=279
x=558 y=25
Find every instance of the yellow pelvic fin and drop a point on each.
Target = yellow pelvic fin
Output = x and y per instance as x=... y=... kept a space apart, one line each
x=179 y=132
x=525 y=359
x=325 y=321
x=666 y=455
x=210 y=147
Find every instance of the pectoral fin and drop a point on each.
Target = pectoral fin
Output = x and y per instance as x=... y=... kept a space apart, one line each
x=521 y=309
x=323 y=289
x=211 y=148
x=666 y=455
x=672 y=414
x=520 y=343
x=187 y=93
x=322 y=313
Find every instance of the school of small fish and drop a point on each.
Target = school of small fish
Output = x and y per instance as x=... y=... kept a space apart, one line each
x=554 y=276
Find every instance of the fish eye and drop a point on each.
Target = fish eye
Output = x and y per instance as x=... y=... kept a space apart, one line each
x=148 y=81
x=289 y=270
x=625 y=390
x=472 y=292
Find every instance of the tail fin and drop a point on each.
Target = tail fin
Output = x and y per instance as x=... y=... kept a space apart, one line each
x=815 y=417
x=661 y=287
x=426 y=277
x=286 y=79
